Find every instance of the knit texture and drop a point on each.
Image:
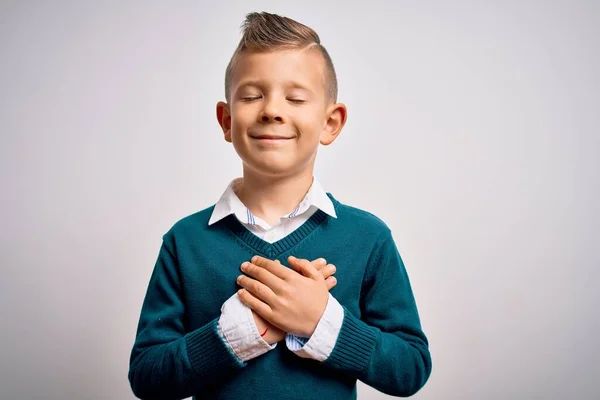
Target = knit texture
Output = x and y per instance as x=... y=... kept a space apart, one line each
x=179 y=353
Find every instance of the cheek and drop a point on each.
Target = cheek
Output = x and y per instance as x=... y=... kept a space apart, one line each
x=312 y=129
x=311 y=121
x=241 y=117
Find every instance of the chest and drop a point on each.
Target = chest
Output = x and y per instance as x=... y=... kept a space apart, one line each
x=209 y=272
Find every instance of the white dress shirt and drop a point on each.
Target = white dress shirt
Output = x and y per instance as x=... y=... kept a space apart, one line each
x=236 y=324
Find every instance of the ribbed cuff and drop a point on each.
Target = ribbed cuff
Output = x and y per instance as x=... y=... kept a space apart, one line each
x=354 y=346
x=207 y=351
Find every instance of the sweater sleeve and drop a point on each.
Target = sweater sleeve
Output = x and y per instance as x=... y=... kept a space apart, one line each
x=385 y=348
x=167 y=361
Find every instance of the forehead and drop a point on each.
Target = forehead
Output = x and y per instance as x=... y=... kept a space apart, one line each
x=304 y=67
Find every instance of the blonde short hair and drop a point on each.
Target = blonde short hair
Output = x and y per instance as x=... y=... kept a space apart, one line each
x=267 y=32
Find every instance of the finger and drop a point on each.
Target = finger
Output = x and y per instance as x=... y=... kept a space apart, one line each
x=255 y=304
x=319 y=263
x=295 y=264
x=305 y=268
x=273 y=267
x=328 y=271
x=330 y=282
x=256 y=288
x=261 y=275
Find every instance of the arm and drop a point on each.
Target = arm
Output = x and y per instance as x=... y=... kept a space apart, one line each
x=385 y=348
x=322 y=341
x=167 y=361
x=241 y=330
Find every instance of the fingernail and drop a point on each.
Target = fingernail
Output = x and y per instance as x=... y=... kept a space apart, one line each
x=333 y=268
x=293 y=258
x=239 y=278
x=244 y=265
x=322 y=261
x=254 y=259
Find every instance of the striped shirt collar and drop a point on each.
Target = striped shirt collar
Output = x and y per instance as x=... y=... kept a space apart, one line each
x=230 y=203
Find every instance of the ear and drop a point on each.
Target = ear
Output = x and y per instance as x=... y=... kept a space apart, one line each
x=337 y=114
x=224 y=119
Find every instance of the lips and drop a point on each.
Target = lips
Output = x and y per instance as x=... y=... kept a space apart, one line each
x=270 y=137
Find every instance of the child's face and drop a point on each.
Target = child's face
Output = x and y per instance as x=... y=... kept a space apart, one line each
x=279 y=112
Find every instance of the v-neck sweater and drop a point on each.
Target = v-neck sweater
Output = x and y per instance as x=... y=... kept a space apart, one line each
x=179 y=353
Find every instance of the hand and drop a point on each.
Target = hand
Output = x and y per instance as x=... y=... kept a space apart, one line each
x=292 y=302
x=274 y=334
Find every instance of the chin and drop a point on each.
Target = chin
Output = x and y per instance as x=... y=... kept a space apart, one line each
x=272 y=168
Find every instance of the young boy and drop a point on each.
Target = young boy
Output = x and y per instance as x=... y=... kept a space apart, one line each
x=233 y=309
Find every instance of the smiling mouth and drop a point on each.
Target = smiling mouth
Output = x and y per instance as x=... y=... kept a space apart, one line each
x=269 y=137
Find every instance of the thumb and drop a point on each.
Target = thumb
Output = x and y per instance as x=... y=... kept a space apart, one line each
x=305 y=268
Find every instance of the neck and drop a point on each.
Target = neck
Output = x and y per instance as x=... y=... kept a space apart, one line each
x=270 y=198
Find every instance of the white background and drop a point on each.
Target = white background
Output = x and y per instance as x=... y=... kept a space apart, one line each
x=473 y=131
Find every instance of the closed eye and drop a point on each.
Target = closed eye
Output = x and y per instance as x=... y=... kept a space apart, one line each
x=250 y=98
x=297 y=101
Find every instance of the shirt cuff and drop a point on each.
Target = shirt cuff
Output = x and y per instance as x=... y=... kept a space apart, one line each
x=238 y=330
x=320 y=345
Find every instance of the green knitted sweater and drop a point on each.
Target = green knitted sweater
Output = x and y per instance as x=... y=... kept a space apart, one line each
x=179 y=353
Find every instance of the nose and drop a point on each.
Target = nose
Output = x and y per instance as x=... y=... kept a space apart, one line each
x=271 y=112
